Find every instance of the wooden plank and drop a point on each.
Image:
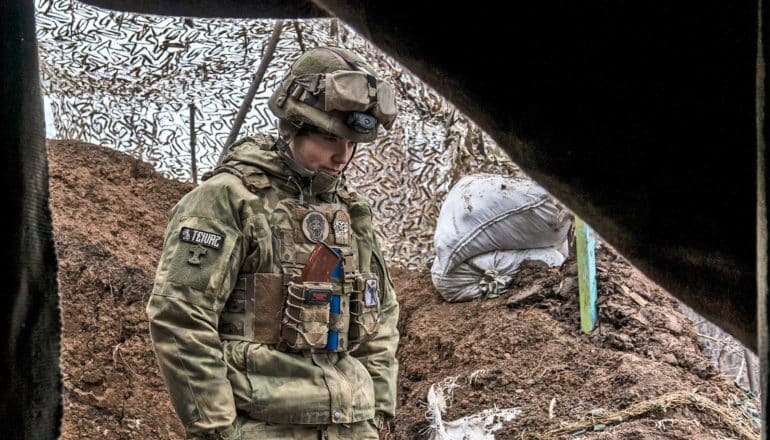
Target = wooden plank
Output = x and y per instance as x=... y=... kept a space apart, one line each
x=586 y=258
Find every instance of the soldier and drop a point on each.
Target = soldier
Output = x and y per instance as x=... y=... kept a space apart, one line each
x=247 y=347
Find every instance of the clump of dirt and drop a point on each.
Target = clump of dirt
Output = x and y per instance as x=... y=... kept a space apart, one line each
x=523 y=349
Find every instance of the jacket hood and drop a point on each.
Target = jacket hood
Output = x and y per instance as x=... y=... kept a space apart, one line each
x=258 y=151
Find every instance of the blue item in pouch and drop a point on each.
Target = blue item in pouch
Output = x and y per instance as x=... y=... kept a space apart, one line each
x=332 y=342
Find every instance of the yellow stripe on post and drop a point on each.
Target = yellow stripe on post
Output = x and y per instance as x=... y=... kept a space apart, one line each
x=586 y=259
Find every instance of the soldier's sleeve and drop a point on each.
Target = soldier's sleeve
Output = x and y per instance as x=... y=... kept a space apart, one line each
x=202 y=251
x=379 y=354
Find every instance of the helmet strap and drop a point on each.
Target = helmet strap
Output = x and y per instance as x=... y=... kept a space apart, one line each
x=320 y=182
x=284 y=151
x=352 y=155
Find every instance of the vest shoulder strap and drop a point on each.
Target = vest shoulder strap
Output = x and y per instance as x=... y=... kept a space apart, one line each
x=350 y=197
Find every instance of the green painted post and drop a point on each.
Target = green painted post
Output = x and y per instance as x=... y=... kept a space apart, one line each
x=586 y=259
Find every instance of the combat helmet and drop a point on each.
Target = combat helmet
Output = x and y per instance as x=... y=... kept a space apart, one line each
x=336 y=91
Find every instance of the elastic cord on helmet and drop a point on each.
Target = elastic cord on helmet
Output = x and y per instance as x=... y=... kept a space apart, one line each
x=288 y=128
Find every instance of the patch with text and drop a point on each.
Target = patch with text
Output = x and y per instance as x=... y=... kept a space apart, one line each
x=203 y=238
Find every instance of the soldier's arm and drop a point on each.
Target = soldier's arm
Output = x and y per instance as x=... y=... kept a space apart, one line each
x=379 y=354
x=201 y=255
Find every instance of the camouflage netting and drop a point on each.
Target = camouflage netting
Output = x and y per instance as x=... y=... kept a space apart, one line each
x=128 y=81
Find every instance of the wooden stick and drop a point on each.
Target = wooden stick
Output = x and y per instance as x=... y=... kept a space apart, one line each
x=268 y=56
x=750 y=371
x=298 y=30
x=193 y=164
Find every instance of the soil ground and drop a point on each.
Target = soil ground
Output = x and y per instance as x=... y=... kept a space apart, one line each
x=110 y=212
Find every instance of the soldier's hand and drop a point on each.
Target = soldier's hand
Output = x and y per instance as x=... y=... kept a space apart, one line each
x=229 y=433
x=381 y=422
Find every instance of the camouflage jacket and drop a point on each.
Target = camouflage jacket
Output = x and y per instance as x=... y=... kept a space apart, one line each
x=222 y=229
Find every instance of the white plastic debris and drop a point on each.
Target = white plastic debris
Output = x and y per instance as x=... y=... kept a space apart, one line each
x=479 y=426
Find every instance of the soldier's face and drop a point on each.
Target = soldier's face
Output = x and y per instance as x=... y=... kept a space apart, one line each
x=322 y=152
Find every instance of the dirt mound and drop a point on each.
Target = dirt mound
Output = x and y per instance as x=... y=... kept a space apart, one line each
x=110 y=212
x=526 y=350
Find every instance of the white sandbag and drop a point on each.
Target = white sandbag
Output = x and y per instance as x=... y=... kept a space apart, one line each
x=485 y=212
x=488 y=274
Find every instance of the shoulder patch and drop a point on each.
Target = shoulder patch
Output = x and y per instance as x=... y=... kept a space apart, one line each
x=203 y=238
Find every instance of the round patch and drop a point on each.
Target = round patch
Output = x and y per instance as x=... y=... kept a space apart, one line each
x=315 y=227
